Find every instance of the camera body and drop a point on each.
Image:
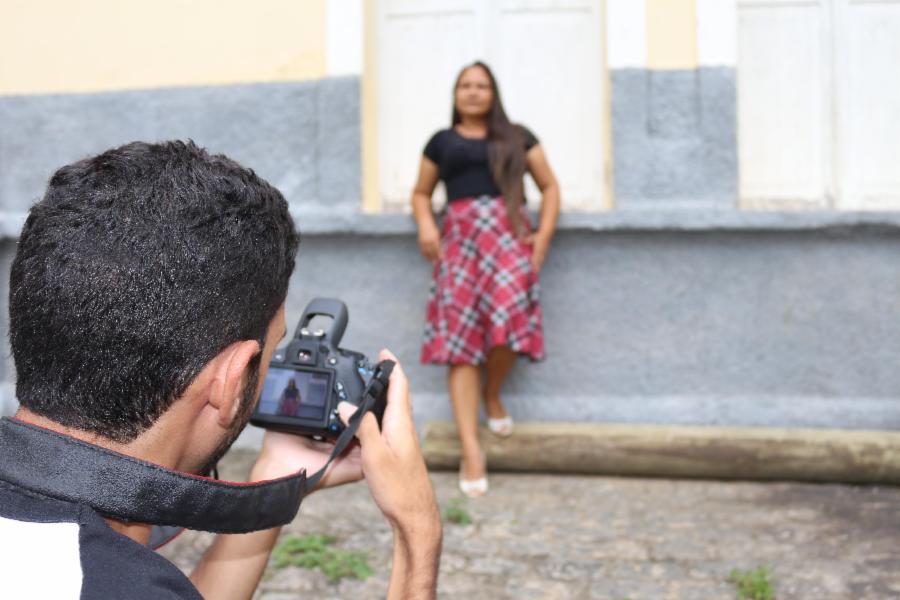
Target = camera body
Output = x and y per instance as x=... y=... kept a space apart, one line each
x=312 y=375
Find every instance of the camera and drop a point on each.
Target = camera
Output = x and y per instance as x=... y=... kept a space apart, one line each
x=308 y=378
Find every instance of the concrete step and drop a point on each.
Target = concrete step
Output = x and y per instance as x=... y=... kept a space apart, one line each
x=744 y=453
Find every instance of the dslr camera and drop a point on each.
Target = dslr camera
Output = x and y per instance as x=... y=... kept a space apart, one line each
x=308 y=378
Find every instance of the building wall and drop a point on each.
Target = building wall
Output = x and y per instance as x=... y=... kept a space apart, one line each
x=687 y=310
x=726 y=326
x=671 y=70
x=782 y=326
x=276 y=86
x=100 y=45
x=303 y=137
x=673 y=103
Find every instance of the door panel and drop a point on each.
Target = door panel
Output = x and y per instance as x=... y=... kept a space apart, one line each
x=870 y=106
x=547 y=62
x=421 y=47
x=819 y=102
x=783 y=106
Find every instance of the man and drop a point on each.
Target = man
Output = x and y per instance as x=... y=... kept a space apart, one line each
x=146 y=299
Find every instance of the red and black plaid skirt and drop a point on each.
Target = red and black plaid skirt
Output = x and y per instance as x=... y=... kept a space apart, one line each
x=485 y=290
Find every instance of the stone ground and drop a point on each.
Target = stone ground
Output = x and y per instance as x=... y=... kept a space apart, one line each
x=547 y=536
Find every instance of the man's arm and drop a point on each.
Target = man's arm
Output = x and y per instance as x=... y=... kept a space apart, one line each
x=234 y=563
x=414 y=571
x=398 y=479
x=392 y=463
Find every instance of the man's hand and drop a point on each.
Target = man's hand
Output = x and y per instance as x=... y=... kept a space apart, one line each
x=395 y=472
x=284 y=454
x=234 y=564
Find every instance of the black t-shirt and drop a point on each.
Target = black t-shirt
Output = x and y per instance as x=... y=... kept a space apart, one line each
x=78 y=555
x=463 y=162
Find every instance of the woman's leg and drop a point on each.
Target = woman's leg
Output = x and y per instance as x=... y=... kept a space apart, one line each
x=500 y=361
x=463 y=383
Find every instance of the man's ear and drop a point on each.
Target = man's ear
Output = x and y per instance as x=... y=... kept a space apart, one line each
x=227 y=388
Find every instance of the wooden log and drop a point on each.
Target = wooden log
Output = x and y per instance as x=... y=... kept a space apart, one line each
x=751 y=453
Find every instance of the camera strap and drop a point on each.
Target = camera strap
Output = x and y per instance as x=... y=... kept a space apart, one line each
x=370 y=398
x=288 y=506
x=340 y=445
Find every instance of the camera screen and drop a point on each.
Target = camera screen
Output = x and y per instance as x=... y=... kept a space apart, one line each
x=290 y=393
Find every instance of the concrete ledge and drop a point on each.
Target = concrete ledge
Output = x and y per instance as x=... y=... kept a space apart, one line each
x=681 y=452
x=349 y=221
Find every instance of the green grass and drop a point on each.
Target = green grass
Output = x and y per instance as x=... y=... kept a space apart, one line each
x=316 y=552
x=752 y=585
x=456 y=514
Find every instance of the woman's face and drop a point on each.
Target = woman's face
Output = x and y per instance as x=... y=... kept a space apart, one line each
x=474 y=93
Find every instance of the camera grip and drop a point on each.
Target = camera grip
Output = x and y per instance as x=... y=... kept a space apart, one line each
x=378 y=388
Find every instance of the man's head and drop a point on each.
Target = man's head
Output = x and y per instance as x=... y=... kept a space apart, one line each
x=137 y=268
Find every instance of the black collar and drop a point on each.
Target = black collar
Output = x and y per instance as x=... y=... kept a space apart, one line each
x=131 y=490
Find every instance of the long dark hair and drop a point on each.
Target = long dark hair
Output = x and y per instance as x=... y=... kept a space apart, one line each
x=506 y=149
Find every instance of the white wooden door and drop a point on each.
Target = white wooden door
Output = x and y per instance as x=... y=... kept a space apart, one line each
x=547 y=57
x=819 y=103
x=784 y=102
x=868 y=64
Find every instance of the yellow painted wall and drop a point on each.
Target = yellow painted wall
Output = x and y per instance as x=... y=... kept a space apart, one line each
x=370 y=194
x=671 y=34
x=49 y=46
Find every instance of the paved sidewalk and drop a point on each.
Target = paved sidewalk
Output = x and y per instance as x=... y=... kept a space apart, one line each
x=545 y=536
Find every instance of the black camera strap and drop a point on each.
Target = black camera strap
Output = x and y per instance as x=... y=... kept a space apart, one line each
x=373 y=392
x=340 y=444
x=163 y=533
x=122 y=487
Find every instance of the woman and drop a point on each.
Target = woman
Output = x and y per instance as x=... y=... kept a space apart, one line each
x=483 y=308
x=289 y=402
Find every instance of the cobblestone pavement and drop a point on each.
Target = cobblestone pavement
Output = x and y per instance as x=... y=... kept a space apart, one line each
x=545 y=536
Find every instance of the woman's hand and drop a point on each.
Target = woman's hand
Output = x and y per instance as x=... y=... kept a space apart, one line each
x=540 y=247
x=545 y=179
x=430 y=240
x=429 y=236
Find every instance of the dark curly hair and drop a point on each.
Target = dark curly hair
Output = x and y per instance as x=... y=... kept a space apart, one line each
x=136 y=268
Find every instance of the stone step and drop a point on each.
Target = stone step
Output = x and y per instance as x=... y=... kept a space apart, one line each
x=743 y=453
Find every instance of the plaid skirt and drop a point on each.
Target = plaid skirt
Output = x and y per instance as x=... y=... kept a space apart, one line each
x=485 y=292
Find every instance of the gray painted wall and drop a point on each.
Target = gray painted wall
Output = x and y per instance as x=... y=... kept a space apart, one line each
x=772 y=328
x=304 y=138
x=674 y=138
x=674 y=135
x=730 y=328
x=7 y=371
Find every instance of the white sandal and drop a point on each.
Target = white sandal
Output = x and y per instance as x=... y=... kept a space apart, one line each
x=473 y=488
x=502 y=427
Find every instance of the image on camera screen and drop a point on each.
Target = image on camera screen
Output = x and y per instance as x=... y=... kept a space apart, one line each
x=290 y=393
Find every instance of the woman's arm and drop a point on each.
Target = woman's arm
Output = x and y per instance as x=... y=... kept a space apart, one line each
x=546 y=181
x=429 y=236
